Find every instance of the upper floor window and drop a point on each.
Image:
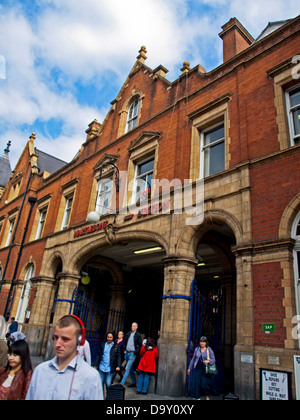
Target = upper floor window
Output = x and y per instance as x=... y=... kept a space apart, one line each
x=10 y=232
x=104 y=196
x=66 y=205
x=132 y=117
x=67 y=212
x=212 y=160
x=143 y=179
x=210 y=153
x=39 y=232
x=293 y=108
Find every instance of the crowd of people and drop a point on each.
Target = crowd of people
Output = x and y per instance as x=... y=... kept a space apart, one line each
x=70 y=375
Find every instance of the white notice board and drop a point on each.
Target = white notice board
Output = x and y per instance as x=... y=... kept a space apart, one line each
x=297 y=376
x=275 y=385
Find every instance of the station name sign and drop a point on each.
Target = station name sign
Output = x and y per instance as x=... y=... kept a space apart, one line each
x=143 y=212
x=90 y=229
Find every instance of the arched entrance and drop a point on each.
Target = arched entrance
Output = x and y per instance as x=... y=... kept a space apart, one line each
x=215 y=283
x=124 y=281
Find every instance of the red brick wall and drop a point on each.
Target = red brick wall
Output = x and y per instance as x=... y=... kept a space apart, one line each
x=274 y=185
x=268 y=295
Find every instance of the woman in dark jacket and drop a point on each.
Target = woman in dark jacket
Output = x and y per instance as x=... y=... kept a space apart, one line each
x=15 y=377
x=120 y=343
x=109 y=360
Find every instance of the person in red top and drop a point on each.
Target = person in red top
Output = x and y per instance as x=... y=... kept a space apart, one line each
x=147 y=365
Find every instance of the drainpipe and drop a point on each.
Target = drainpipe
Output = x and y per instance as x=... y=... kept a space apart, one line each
x=31 y=201
x=16 y=227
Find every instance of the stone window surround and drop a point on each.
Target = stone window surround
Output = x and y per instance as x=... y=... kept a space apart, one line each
x=68 y=191
x=283 y=80
x=202 y=119
x=124 y=112
x=42 y=205
x=145 y=146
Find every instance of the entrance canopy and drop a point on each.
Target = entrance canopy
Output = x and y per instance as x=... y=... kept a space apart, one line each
x=137 y=254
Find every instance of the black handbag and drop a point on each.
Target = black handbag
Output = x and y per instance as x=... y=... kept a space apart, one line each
x=210 y=369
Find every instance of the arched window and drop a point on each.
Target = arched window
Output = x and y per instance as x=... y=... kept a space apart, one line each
x=22 y=312
x=296 y=236
x=132 y=117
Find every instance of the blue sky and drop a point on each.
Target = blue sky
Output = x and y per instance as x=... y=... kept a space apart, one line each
x=63 y=61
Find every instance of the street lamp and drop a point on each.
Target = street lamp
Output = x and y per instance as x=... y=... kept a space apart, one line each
x=94 y=216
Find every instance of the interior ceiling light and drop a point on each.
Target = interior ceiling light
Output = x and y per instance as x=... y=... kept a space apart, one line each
x=148 y=250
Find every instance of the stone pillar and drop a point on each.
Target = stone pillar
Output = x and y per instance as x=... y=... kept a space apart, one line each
x=67 y=283
x=38 y=323
x=244 y=355
x=117 y=308
x=173 y=342
x=117 y=297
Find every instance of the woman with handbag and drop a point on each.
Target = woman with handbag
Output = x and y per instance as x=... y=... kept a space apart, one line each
x=203 y=367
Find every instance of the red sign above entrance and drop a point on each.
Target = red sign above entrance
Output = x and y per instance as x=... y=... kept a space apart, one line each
x=90 y=229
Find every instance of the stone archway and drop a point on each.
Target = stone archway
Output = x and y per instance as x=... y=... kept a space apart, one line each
x=216 y=282
x=288 y=218
x=180 y=269
x=288 y=268
x=192 y=235
x=105 y=275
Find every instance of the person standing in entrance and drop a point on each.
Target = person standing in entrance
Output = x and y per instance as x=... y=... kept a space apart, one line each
x=108 y=361
x=133 y=343
x=147 y=365
x=202 y=383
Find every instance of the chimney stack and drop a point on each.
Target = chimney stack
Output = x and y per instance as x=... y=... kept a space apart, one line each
x=235 y=39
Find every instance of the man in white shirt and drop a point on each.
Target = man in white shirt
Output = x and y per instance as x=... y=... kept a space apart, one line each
x=67 y=376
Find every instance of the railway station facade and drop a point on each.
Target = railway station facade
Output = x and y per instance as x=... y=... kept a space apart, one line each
x=181 y=211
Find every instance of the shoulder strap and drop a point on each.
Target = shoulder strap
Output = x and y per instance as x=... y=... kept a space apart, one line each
x=208 y=358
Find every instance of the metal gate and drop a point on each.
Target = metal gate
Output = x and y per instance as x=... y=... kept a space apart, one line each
x=207 y=318
x=98 y=319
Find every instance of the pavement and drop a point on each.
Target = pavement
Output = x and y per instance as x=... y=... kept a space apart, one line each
x=131 y=394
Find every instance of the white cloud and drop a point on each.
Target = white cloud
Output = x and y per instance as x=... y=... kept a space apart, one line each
x=107 y=35
x=95 y=42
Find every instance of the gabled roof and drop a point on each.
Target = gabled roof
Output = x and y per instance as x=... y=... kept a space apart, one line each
x=5 y=168
x=271 y=27
x=48 y=163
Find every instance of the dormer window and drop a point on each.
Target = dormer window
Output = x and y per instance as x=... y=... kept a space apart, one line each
x=132 y=117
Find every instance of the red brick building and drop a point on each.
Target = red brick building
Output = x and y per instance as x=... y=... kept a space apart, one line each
x=236 y=129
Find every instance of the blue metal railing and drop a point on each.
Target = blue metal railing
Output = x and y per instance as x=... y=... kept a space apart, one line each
x=207 y=318
x=98 y=319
